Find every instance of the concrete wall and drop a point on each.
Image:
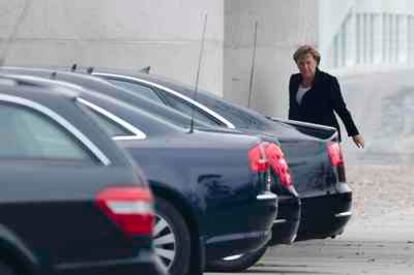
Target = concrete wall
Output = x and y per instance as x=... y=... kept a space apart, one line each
x=282 y=27
x=121 y=34
x=166 y=34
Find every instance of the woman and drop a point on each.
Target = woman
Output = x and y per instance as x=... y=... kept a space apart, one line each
x=315 y=95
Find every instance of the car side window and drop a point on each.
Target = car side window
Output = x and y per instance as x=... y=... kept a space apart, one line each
x=186 y=108
x=141 y=90
x=29 y=135
x=239 y=117
x=112 y=128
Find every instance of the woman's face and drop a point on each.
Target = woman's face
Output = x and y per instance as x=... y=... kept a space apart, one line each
x=307 y=66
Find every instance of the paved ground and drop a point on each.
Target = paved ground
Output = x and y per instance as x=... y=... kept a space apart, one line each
x=344 y=256
x=378 y=240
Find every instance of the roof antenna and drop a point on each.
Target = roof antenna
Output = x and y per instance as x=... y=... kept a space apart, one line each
x=89 y=70
x=253 y=65
x=53 y=75
x=14 y=32
x=74 y=67
x=203 y=36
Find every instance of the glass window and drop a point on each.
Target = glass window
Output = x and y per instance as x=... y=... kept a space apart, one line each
x=238 y=116
x=165 y=98
x=186 y=108
x=142 y=90
x=31 y=135
x=110 y=126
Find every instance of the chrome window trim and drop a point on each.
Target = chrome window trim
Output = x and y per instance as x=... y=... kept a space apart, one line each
x=127 y=138
x=61 y=121
x=177 y=94
x=137 y=134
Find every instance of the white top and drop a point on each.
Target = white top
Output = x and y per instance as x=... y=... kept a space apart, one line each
x=301 y=92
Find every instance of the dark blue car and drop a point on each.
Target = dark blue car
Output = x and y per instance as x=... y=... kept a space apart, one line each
x=313 y=153
x=212 y=189
x=287 y=222
x=71 y=201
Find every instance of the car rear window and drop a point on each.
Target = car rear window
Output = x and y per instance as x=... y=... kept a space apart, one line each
x=28 y=134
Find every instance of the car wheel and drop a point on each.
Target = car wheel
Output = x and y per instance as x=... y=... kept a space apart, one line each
x=6 y=269
x=171 y=238
x=236 y=263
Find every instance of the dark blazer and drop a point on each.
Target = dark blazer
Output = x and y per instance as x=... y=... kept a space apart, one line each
x=320 y=102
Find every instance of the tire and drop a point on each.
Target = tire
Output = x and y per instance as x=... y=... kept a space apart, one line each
x=6 y=269
x=171 y=238
x=236 y=265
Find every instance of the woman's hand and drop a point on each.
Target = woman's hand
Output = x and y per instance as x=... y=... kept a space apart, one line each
x=359 y=141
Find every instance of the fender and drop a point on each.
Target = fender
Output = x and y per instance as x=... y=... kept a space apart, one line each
x=197 y=261
x=13 y=249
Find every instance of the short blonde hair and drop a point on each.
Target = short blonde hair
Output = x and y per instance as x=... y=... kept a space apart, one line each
x=302 y=51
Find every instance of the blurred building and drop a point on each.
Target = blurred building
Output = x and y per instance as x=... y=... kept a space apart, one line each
x=352 y=35
x=370 y=32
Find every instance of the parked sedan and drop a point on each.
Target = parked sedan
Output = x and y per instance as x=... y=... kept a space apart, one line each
x=71 y=201
x=212 y=188
x=313 y=154
x=285 y=225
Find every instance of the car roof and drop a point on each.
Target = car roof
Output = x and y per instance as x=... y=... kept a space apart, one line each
x=169 y=115
x=26 y=87
x=139 y=119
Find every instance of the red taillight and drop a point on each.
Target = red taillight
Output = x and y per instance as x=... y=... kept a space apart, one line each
x=278 y=164
x=128 y=207
x=258 y=160
x=335 y=154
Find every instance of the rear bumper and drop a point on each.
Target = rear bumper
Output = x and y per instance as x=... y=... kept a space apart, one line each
x=145 y=264
x=246 y=228
x=325 y=216
x=285 y=226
